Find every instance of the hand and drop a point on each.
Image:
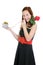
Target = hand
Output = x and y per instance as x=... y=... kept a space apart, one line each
x=8 y=28
x=23 y=23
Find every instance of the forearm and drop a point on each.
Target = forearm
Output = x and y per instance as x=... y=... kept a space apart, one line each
x=25 y=33
x=14 y=34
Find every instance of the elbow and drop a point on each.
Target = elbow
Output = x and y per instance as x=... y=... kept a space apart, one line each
x=28 y=38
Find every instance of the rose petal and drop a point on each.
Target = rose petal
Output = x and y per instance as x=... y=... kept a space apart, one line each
x=37 y=18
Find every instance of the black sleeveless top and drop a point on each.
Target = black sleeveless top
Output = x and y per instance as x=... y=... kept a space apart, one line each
x=21 y=32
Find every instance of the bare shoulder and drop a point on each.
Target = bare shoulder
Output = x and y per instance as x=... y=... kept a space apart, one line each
x=33 y=29
x=34 y=26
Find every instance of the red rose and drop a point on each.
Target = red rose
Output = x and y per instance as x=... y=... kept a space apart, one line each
x=37 y=18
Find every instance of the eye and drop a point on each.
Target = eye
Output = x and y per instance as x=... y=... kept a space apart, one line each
x=26 y=14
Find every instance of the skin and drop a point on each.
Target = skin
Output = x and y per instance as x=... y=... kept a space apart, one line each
x=26 y=17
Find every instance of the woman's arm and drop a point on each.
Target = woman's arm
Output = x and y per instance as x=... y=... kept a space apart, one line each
x=13 y=33
x=31 y=34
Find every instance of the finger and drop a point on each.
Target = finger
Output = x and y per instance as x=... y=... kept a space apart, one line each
x=23 y=20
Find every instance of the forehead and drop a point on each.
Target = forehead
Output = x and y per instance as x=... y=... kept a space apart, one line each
x=25 y=12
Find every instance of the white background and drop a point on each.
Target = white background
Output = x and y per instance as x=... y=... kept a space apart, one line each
x=11 y=11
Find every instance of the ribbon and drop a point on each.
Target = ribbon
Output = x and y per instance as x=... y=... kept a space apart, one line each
x=22 y=40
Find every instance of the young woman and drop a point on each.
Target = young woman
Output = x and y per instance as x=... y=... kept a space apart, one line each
x=24 y=54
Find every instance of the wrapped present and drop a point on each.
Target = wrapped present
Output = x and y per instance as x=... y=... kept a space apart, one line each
x=5 y=24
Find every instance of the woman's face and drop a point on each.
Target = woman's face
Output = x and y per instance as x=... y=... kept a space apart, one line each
x=26 y=15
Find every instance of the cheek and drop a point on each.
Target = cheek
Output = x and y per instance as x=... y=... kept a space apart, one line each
x=29 y=16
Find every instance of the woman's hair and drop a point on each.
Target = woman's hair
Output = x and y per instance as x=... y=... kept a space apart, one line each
x=29 y=24
x=28 y=9
x=31 y=13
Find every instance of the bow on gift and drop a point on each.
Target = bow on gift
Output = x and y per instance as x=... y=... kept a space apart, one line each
x=22 y=39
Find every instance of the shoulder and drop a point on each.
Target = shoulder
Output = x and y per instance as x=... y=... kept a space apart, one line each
x=34 y=26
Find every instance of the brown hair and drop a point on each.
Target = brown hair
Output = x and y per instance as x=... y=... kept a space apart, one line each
x=28 y=9
x=31 y=13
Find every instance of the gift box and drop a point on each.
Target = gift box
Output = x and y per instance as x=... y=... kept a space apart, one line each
x=5 y=25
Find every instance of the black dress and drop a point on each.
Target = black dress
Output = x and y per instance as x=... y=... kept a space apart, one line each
x=24 y=53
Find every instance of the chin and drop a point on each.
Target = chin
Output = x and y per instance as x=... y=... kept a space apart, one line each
x=27 y=21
